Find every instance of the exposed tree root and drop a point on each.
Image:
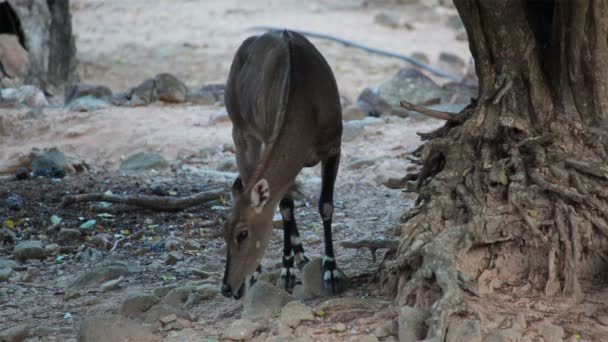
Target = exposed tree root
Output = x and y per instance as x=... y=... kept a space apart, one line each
x=147 y=202
x=372 y=245
x=430 y=112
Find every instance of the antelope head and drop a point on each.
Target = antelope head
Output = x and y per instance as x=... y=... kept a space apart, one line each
x=246 y=233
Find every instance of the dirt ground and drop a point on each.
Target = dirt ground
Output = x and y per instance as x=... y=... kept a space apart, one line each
x=121 y=43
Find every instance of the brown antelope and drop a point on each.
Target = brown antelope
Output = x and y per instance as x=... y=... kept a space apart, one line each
x=283 y=101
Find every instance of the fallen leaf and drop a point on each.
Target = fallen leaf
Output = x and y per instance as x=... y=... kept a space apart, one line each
x=55 y=219
x=10 y=224
x=88 y=224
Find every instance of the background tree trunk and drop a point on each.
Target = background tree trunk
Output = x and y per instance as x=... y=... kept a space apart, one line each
x=520 y=185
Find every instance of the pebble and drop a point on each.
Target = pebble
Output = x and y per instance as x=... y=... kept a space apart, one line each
x=264 y=300
x=464 y=330
x=169 y=88
x=173 y=258
x=411 y=324
x=192 y=245
x=339 y=327
x=69 y=235
x=27 y=250
x=98 y=276
x=295 y=312
x=5 y=273
x=14 y=202
x=113 y=328
x=15 y=334
x=137 y=304
x=239 y=330
x=352 y=112
x=551 y=332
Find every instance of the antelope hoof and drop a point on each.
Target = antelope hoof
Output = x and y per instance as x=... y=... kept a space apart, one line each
x=287 y=280
x=302 y=262
x=334 y=279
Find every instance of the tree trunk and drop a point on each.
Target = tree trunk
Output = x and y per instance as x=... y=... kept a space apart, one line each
x=524 y=175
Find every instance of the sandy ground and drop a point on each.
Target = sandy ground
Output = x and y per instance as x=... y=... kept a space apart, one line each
x=121 y=43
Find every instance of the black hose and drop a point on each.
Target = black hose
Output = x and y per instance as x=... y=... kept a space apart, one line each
x=351 y=43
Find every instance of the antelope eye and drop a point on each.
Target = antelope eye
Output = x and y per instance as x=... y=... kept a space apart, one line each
x=242 y=236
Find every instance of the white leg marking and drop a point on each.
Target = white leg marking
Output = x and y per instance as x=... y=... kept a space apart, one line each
x=328 y=211
x=295 y=240
x=286 y=214
x=257 y=244
x=327 y=259
x=327 y=275
x=283 y=271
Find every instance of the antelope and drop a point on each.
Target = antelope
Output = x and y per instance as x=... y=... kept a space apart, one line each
x=282 y=98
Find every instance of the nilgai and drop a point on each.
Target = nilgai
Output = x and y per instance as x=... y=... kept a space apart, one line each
x=283 y=101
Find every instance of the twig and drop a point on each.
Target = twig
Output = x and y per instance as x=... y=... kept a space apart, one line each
x=373 y=245
x=148 y=202
x=432 y=113
x=366 y=48
x=116 y=243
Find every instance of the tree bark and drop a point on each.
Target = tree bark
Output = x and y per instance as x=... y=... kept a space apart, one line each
x=526 y=167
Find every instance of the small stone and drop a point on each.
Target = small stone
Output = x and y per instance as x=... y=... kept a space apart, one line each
x=207 y=291
x=15 y=334
x=352 y=112
x=5 y=273
x=144 y=93
x=339 y=327
x=264 y=300
x=239 y=330
x=178 y=296
x=193 y=300
x=113 y=328
x=192 y=245
x=69 y=235
x=169 y=88
x=352 y=130
x=387 y=19
x=26 y=95
x=111 y=284
x=50 y=163
x=162 y=291
x=22 y=174
x=220 y=116
x=551 y=332
x=27 y=250
x=168 y=319
x=200 y=98
x=295 y=312
x=228 y=165
x=367 y=338
x=464 y=330
x=144 y=161
x=172 y=243
x=87 y=104
x=386 y=329
x=411 y=324
x=15 y=202
x=173 y=258
x=135 y=305
x=162 y=310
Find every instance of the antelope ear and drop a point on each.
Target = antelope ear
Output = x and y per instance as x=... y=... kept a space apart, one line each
x=260 y=194
x=237 y=188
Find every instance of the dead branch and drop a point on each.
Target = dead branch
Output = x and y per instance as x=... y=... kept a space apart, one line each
x=372 y=245
x=588 y=168
x=432 y=113
x=147 y=202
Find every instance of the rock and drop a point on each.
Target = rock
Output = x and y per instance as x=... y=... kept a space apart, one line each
x=88 y=255
x=120 y=99
x=162 y=291
x=15 y=334
x=192 y=245
x=352 y=130
x=229 y=165
x=96 y=91
x=173 y=258
x=98 y=276
x=220 y=116
x=200 y=98
x=312 y=279
x=352 y=112
x=372 y=104
x=178 y=296
x=27 y=95
x=6 y=263
x=295 y=312
x=464 y=330
x=87 y=104
x=551 y=332
x=207 y=291
x=387 y=329
x=172 y=243
x=454 y=22
x=504 y=335
x=408 y=84
x=162 y=310
x=239 y=330
x=169 y=88
x=411 y=324
x=113 y=328
x=144 y=161
x=51 y=163
x=5 y=273
x=135 y=305
x=69 y=235
x=168 y=319
x=111 y=285
x=451 y=63
x=520 y=322
x=208 y=94
x=421 y=56
x=13 y=57
x=361 y=162
x=264 y=300
x=354 y=303
x=338 y=327
x=14 y=202
x=22 y=174
x=27 y=250
x=387 y=19
x=143 y=94
x=193 y=300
